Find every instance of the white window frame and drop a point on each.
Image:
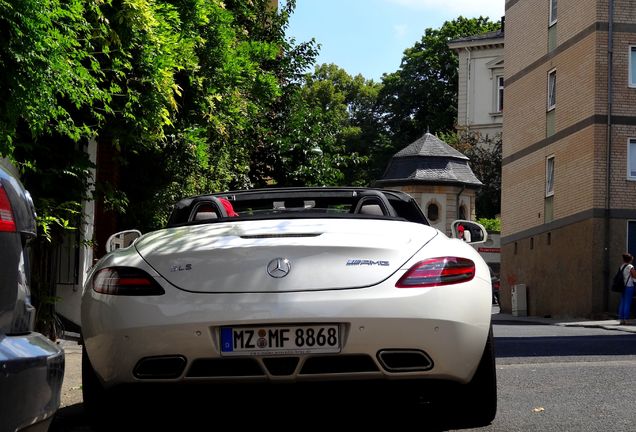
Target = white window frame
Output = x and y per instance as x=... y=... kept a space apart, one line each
x=499 y=93
x=552 y=91
x=553 y=13
x=631 y=153
x=631 y=55
x=549 y=176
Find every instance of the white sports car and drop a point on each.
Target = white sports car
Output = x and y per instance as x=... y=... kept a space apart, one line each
x=294 y=285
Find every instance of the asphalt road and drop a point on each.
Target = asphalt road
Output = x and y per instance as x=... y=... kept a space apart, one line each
x=550 y=378
x=555 y=378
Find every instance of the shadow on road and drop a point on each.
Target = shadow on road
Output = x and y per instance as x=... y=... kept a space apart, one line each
x=547 y=346
x=206 y=407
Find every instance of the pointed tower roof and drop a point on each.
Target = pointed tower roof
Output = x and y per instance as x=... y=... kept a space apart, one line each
x=429 y=160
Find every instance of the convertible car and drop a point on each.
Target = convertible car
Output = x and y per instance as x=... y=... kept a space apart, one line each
x=298 y=286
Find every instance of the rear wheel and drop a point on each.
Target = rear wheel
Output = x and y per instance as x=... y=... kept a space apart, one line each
x=468 y=405
x=475 y=403
x=93 y=392
x=481 y=392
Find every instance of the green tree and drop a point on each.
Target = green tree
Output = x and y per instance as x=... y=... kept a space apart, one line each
x=52 y=97
x=48 y=71
x=422 y=94
x=239 y=66
x=484 y=153
x=319 y=143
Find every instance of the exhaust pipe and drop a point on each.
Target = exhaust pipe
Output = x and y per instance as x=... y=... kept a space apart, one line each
x=404 y=360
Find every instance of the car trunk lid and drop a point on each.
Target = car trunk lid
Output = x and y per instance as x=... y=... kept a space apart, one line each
x=282 y=255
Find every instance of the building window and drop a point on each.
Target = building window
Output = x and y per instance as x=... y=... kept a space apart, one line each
x=551 y=90
x=462 y=212
x=632 y=66
x=500 y=93
x=631 y=237
x=631 y=158
x=432 y=211
x=549 y=176
x=553 y=12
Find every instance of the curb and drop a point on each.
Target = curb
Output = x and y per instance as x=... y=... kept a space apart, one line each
x=610 y=324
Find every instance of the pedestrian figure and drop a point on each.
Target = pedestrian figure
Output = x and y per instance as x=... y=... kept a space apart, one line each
x=629 y=273
x=464 y=234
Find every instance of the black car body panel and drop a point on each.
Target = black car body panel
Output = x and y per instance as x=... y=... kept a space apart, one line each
x=31 y=366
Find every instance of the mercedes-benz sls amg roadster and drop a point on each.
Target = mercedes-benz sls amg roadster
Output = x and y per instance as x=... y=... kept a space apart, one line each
x=295 y=287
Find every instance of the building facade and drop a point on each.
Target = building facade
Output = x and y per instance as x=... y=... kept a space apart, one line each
x=438 y=177
x=480 y=87
x=569 y=152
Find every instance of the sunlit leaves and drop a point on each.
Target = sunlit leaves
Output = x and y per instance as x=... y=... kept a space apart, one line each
x=48 y=69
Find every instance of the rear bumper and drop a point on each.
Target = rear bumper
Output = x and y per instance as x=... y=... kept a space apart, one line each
x=31 y=374
x=449 y=324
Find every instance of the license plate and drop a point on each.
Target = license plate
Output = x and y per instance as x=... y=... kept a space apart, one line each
x=280 y=340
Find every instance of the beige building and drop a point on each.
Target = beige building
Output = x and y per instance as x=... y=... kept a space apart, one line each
x=569 y=152
x=480 y=87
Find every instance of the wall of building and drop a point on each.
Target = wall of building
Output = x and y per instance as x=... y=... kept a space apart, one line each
x=562 y=287
x=447 y=197
x=523 y=197
x=476 y=96
x=562 y=259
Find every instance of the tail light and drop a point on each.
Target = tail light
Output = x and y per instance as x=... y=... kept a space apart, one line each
x=126 y=281
x=438 y=271
x=7 y=222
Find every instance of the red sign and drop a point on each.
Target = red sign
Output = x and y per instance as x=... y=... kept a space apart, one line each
x=489 y=250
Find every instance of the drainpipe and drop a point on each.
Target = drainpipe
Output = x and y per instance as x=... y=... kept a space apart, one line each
x=457 y=201
x=608 y=157
x=468 y=59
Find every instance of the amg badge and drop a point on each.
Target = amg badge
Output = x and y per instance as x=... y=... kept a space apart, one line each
x=181 y=267
x=366 y=262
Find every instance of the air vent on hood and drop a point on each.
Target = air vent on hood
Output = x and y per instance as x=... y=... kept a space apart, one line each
x=292 y=235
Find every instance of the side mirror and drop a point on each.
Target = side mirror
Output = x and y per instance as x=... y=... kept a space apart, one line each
x=470 y=232
x=122 y=239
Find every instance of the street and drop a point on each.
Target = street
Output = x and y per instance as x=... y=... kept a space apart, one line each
x=555 y=378
x=550 y=378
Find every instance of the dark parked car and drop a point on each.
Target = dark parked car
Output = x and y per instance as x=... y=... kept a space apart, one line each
x=31 y=366
x=495 y=281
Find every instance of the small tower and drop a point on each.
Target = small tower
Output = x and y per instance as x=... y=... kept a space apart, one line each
x=438 y=177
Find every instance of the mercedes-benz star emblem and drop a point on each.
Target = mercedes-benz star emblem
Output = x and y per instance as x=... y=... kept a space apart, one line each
x=278 y=267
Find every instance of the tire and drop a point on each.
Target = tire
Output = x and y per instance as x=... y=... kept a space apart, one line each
x=104 y=407
x=93 y=392
x=478 y=399
x=450 y=405
x=119 y=408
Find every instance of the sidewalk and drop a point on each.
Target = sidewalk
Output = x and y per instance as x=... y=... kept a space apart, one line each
x=609 y=324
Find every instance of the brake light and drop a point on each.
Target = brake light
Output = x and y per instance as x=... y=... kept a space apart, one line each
x=438 y=271
x=125 y=281
x=7 y=222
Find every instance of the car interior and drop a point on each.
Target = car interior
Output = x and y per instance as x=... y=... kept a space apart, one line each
x=298 y=202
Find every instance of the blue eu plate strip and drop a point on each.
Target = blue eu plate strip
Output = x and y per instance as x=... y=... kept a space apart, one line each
x=226 y=339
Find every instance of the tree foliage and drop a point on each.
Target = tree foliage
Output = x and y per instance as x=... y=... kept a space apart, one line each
x=49 y=71
x=484 y=153
x=422 y=94
x=322 y=140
